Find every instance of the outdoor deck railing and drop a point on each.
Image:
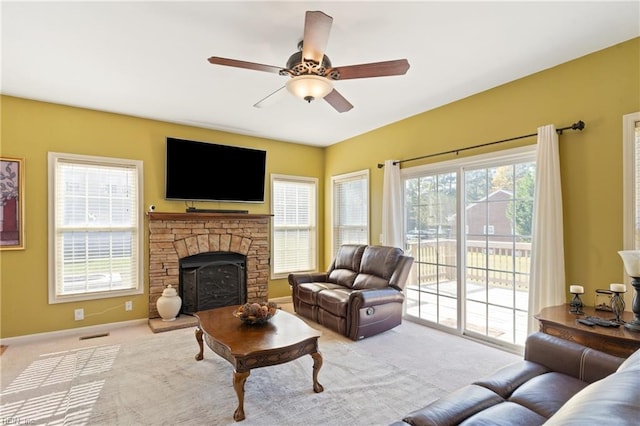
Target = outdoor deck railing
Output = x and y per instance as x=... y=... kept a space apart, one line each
x=498 y=263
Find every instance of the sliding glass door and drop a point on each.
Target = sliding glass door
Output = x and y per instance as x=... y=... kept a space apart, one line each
x=431 y=223
x=468 y=227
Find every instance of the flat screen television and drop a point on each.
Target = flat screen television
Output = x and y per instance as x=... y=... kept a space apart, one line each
x=202 y=171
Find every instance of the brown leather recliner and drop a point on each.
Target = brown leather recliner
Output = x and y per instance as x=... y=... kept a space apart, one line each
x=361 y=293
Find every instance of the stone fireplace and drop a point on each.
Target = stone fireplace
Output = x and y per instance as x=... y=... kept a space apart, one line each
x=194 y=238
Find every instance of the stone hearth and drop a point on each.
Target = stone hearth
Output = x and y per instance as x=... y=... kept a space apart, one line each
x=173 y=236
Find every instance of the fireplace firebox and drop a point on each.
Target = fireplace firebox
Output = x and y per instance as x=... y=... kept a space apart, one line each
x=212 y=280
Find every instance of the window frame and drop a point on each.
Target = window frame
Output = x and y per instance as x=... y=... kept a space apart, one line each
x=460 y=166
x=364 y=175
x=54 y=160
x=313 y=228
x=629 y=182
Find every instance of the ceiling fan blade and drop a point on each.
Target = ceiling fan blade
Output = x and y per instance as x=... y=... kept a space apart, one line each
x=271 y=98
x=243 y=64
x=317 y=26
x=375 y=69
x=337 y=101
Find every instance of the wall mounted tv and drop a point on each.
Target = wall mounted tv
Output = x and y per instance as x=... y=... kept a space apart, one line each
x=203 y=171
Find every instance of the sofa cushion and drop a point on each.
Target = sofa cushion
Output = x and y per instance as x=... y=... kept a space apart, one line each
x=334 y=301
x=509 y=378
x=343 y=277
x=610 y=401
x=380 y=261
x=367 y=281
x=308 y=292
x=377 y=266
x=545 y=394
x=345 y=266
x=349 y=257
x=455 y=407
x=505 y=414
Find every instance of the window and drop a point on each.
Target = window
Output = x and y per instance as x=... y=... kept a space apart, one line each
x=472 y=260
x=488 y=229
x=631 y=180
x=95 y=239
x=293 y=205
x=350 y=195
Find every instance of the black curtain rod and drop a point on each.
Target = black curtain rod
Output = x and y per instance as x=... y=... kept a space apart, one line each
x=575 y=126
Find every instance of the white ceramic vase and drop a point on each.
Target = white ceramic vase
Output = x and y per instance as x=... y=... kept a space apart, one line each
x=169 y=304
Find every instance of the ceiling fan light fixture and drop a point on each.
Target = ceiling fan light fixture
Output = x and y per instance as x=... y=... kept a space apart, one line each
x=309 y=86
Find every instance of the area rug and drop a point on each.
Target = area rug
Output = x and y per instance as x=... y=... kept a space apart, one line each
x=156 y=381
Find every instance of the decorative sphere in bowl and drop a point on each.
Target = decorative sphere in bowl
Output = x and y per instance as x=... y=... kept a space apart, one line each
x=256 y=313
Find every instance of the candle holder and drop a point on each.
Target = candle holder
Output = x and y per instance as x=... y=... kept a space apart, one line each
x=576 y=305
x=617 y=306
x=631 y=259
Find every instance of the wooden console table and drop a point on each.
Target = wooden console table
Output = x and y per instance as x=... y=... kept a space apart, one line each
x=618 y=341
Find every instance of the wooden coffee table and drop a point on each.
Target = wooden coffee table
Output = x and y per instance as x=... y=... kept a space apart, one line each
x=284 y=338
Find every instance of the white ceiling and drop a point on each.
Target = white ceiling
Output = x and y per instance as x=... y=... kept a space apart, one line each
x=149 y=59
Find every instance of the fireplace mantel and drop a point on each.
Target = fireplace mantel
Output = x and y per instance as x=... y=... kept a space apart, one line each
x=173 y=236
x=205 y=216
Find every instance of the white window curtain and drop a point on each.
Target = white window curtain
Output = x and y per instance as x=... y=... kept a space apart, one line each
x=392 y=209
x=547 y=282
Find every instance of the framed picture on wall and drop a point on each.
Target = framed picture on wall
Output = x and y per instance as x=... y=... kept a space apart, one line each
x=11 y=203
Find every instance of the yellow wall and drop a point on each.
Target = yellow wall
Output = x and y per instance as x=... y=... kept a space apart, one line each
x=598 y=89
x=31 y=129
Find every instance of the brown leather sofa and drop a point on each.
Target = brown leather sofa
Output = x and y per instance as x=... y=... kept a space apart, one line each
x=558 y=383
x=360 y=294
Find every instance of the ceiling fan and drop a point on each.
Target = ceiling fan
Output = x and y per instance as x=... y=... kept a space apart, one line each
x=310 y=70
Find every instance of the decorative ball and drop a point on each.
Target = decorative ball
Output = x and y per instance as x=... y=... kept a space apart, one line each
x=256 y=313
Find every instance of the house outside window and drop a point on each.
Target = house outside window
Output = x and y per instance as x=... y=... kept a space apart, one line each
x=95 y=235
x=294 y=209
x=350 y=219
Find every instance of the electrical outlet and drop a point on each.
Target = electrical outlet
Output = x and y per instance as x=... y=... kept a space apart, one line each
x=128 y=305
x=78 y=314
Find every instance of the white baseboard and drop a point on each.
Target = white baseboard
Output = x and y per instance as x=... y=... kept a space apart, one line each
x=92 y=329
x=283 y=299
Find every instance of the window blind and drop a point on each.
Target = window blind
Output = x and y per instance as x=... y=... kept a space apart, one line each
x=350 y=209
x=294 y=230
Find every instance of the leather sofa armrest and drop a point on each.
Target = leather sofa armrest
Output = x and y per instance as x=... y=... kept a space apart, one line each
x=570 y=358
x=401 y=273
x=295 y=279
x=374 y=297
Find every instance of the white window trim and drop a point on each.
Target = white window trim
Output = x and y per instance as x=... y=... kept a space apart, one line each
x=53 y=157
x=345 y=176
x=304 y=179
x=628 y=180
x=481 y=160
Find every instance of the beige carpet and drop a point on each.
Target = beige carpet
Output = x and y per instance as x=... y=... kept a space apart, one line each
x=135 y=377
